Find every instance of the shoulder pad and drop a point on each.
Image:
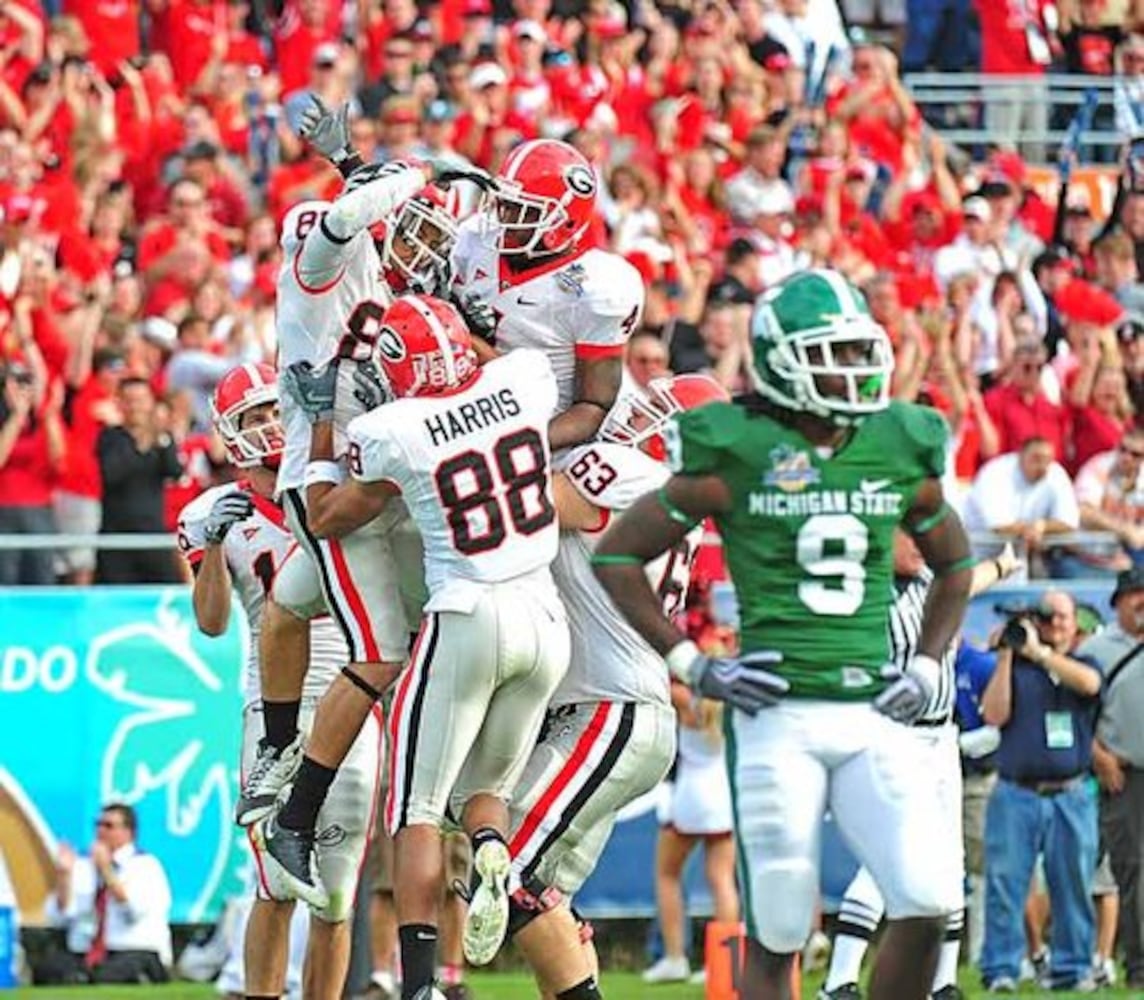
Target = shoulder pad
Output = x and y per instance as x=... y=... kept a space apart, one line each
x=927 y=432
x=611 y=284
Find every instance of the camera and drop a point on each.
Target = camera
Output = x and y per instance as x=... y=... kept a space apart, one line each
x=1021 y=625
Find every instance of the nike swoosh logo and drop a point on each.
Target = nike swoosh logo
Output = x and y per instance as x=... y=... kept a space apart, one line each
x=874 y=485
x=522 y=301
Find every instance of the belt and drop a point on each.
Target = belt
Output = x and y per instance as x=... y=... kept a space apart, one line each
x=932 y=723
x=1047 y=787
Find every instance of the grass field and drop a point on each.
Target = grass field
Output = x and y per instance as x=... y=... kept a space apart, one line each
x=503 y=986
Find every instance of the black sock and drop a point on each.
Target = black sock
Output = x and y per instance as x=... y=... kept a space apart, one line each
x=587 y=990
x=281 y=721
x=306 y=797
x=483 y=834
x=418 y=957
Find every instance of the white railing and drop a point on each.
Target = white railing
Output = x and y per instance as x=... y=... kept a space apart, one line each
x=110 y=541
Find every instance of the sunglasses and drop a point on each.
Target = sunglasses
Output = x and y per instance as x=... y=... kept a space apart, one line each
x=398 y=53
x=105 y=824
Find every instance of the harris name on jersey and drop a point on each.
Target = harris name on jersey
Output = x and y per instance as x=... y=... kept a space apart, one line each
x=466 y=418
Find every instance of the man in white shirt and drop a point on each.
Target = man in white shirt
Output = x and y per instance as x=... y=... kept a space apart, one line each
x=1022 y=494
x=114 y=904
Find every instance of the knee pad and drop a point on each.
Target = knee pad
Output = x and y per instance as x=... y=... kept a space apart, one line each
x=782 y=902
x=528 y=902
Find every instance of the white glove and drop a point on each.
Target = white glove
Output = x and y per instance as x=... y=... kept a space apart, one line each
x=906 y=699
x=227 y=511
x=327 y=131
x=979 y=742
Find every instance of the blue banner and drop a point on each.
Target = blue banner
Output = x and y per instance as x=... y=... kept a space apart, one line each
x=113 y=694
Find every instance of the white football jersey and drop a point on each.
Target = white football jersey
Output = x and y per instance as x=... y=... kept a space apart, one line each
x=586 y=306
x=331 y=295
x=254 y=549
x=611 y=661
x=474 y=470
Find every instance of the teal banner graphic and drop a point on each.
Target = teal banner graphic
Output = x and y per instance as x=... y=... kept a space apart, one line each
x=112 y=694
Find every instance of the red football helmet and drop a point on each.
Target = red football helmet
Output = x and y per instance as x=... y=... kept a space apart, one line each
x=424 y=347
x=546 y=193
x=238 y=392
x=419 y=237
x=638 y=418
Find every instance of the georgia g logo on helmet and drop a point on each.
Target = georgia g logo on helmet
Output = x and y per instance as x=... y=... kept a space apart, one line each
x=581 y=180
x=390 y=344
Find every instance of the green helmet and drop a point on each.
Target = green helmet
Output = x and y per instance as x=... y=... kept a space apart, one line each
x=812 y=327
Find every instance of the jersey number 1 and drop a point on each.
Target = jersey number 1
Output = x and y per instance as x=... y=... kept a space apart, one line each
x=467 y=487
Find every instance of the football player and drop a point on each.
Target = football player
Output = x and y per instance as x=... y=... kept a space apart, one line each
x=527 y=264
x=609 y=734
x=466 y=449
x=235 y=539
x=807 y=480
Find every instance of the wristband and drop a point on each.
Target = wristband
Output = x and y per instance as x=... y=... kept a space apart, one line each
x=680 y=658
x=323 y=471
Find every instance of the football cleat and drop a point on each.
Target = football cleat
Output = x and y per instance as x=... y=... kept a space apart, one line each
x=272 y=771
x=847 y=991
x=486 y=922
x=950 y=992
x=668 y=970
x=288 y=863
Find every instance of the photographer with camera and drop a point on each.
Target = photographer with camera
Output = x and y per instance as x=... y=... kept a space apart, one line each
x=1045 y=701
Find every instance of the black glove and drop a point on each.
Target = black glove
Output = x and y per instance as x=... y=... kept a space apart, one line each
x=370 y=387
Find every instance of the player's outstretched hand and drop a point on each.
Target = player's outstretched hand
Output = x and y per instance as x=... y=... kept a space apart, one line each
x=328 y=131
x=227 y=511
x=906 y=698
x=479 y=316
x=313 y=389
x=370 y=387
x=747 y=683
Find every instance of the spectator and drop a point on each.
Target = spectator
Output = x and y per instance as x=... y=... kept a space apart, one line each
x=1130 y=340
x=1118 y=758
x=115 y=904
x=1115 y=260
x=32 y=450
x=740 y=282
x=937 y=33
x=647 y=358
x=760 y=178
x=1025 y=495
x=1044 y=700
x=1099 y=410
x=135 y=460
x=92 y=406
x=1019 y=407
x=1110 y=491
x=196 y=368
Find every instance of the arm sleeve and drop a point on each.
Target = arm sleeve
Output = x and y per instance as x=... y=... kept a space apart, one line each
x=326 y=249
x=145 y=882
x=169 y=465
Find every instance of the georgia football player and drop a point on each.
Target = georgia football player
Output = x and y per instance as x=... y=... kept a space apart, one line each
x=609 y=734
x=235 y=539
x=525 y=264
x=466 y=449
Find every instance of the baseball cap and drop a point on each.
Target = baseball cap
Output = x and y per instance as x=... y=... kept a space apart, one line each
x=438 y=111
x=160 y=332
x=977 y=208
x=1128 y=581
x=530 y=29
x=326 y=54
x=487 y=74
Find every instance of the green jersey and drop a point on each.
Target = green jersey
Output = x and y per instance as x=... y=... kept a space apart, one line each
x=809 y=536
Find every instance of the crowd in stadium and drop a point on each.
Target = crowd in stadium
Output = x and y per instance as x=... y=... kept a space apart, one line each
x=150 y=149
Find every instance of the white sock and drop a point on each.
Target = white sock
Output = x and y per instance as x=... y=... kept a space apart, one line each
x=845 y=961
x=946 y=974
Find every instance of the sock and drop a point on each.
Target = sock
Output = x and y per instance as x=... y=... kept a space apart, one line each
x=483 y=835
x=587 y=990
x=845 y=960
x=306 y=797
x=281 y=721
x=450 y=975
x=946 y=974
x=418 y=957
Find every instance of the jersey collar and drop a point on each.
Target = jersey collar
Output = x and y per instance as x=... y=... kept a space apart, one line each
x=510 y=278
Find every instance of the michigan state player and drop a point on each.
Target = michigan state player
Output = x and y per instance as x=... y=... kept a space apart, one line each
x=807 y=479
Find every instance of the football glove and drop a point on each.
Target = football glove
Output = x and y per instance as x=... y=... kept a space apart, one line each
x=745 y=682
x=369 y=385
x=906 y=698
x=479 y=316
x=446 y=174
x=227 y=511
x=327 y=131
x=313 y=389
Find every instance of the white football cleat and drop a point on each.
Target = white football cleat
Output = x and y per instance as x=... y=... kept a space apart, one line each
x=668 y=970
x=272 y=771
x=487 y=920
